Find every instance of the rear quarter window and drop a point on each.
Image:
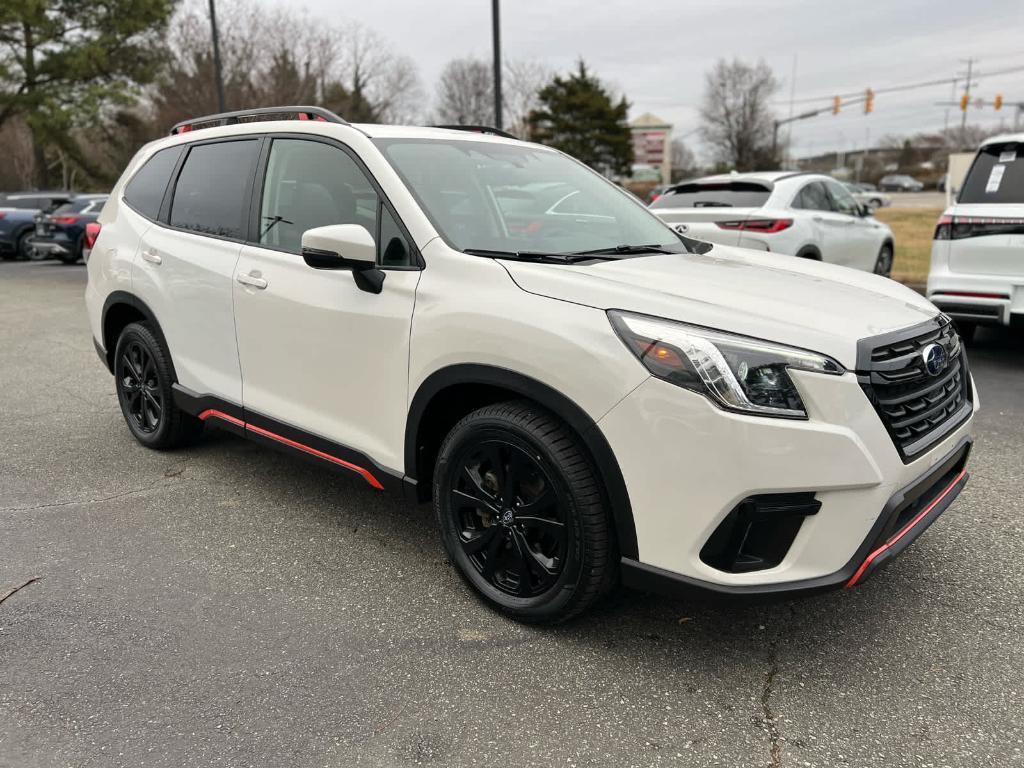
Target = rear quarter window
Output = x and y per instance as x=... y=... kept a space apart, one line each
x=146 y=190
x=733 y=194
x=996 y=176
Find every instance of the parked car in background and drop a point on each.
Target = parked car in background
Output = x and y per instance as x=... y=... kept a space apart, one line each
x=799 y=214
x=977 y=267
x=899 y=182
x=657 y=192
x=583 y=394
x=62 y=234
x=872 y=198
x=17 y=219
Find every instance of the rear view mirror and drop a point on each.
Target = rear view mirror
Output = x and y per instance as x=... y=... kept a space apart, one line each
x=344 y=246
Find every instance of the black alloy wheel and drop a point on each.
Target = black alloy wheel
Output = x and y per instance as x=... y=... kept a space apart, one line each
x=522 y=512
x=511 y=517
x=138 y=380
x=143 y=376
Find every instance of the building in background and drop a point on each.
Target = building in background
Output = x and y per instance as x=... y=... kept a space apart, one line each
x=652 y=138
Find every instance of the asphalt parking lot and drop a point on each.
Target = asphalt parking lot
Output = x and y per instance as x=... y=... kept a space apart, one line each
x=232 y=606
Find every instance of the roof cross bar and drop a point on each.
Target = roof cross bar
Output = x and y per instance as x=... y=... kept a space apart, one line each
x=478 y=129
x=243 y=115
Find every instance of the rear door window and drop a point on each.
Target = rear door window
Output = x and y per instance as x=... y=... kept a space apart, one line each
x=212 y=193
x=997 y=175
x=733 y=194
x=146 y=190
x=813 y=197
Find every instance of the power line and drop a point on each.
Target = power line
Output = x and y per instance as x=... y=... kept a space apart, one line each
x=906 y=86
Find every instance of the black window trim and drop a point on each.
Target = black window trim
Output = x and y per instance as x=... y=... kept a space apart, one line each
x=164 y=220
x=256 y=200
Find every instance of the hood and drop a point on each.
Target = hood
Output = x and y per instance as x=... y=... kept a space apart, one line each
x=792 y=301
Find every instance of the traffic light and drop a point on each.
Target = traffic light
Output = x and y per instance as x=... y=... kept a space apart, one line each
x=997 y=102
x=869 y=101
x=836 y=104
x=964 y=100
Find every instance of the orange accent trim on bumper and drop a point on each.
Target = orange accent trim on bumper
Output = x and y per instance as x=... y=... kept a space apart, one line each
x=905 y=529
x=366 y=474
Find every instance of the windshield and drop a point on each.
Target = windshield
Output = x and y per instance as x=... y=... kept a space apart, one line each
x=484 y=196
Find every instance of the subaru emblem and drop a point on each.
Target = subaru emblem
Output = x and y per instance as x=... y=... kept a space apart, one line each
x=934 y=357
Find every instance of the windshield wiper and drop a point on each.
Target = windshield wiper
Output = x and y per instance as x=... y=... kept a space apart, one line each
x=625 y=250
x=539 y=256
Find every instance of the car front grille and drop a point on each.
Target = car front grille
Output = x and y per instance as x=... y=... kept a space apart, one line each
x=917 y=406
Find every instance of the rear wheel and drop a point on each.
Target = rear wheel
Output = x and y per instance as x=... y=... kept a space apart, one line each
x=521 y=512
x=74 y=254
x=883 y=264
x=143 y=378
x=23 y=247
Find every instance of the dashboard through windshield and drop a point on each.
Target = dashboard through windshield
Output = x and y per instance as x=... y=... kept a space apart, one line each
x=488 y=196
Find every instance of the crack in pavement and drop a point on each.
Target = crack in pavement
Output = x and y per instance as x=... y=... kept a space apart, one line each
x=768 y=723
x=100 y=500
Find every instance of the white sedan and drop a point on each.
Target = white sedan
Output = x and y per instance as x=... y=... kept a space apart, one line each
x=799 y=214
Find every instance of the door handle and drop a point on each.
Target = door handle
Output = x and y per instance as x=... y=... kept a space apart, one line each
x=150 y=255
x=818 y=219
x=252 y=281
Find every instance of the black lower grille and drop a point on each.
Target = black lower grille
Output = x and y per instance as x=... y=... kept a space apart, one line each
x=918 y=402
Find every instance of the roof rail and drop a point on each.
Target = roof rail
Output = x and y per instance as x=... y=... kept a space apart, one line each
x=478 y=129
x=230 y=118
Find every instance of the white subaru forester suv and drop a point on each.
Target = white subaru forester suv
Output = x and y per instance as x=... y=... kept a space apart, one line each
x=586 y=399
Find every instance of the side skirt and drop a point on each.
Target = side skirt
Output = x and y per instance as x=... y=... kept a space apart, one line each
x=262 y=429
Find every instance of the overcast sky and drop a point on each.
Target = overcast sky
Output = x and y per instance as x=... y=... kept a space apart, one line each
x=656 y=51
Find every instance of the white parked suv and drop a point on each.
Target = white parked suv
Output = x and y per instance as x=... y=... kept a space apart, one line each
x=798 y=214
x=977 y=269
x=585 y=399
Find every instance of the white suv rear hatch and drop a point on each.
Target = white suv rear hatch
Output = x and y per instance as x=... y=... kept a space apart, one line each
x=702 y=206
x=987 y=227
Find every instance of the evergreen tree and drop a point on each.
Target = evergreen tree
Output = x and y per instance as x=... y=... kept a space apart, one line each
x=577 y=115
x=64 y=61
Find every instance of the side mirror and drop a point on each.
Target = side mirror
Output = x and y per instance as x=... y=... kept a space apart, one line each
x=866 y=210
x=344 y=246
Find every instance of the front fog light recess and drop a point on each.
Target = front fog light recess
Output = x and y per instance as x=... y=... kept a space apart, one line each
x=739 y=373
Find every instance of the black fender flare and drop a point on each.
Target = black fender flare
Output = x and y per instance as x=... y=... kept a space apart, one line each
x=550 y=398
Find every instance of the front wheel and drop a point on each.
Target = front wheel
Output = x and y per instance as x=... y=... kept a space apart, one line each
x=522 y=514
x=883 y=264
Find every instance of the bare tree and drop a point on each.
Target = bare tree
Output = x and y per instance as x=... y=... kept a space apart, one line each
x=737 y=119
x=465 y=93
x=684 y=163
x=523 y=81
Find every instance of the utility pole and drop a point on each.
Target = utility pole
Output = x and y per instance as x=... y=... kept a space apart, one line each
x=496 y=24
x=967 y=98
x=952 y=98
x=216 y=59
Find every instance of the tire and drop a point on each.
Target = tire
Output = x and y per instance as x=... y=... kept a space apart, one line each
x=966 y=330
x=883 y=264
x=23 y=246
x=569 y=560
x=74 y=256
x=143 y=372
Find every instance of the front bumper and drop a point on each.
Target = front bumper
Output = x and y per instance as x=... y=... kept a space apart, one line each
x=906 y=516
x=688 y=465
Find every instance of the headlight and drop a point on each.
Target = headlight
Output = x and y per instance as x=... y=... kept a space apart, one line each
x=737 y=372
